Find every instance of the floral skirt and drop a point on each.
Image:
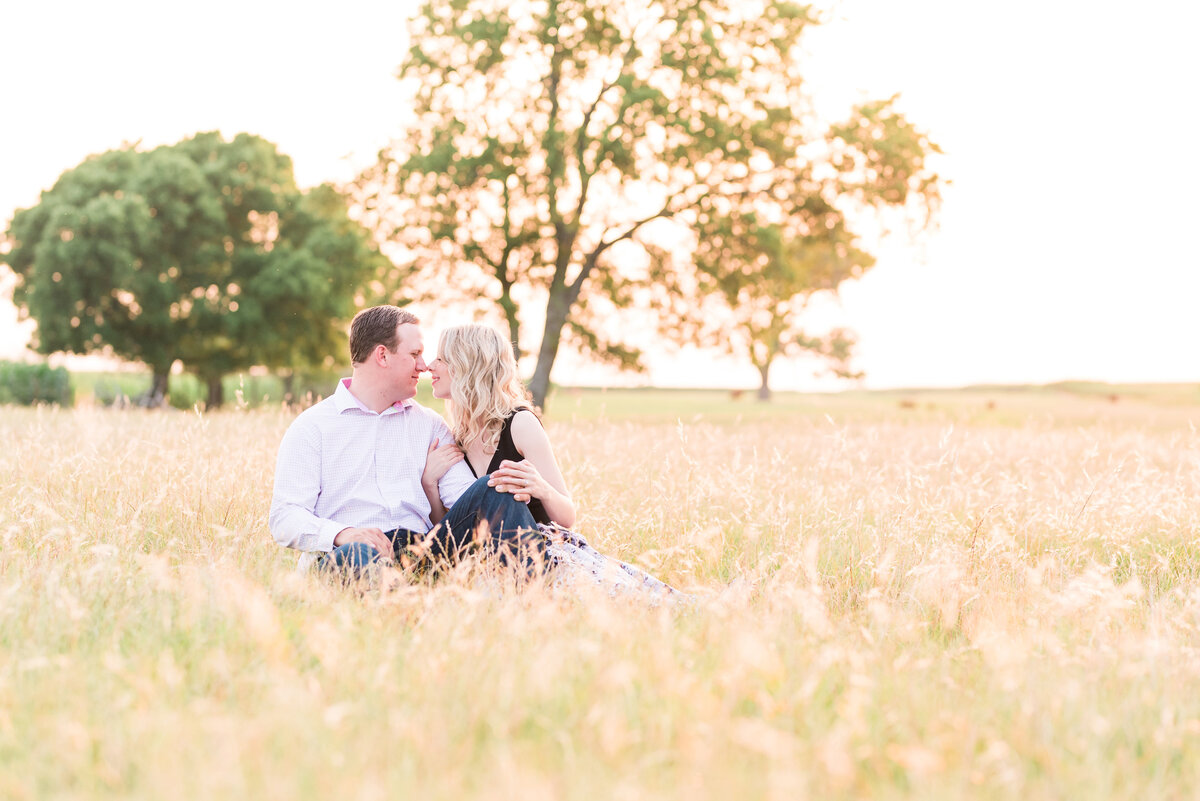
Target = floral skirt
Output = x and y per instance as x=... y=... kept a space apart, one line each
x=574 y=563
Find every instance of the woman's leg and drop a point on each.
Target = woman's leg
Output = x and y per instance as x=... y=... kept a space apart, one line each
x=511 y=529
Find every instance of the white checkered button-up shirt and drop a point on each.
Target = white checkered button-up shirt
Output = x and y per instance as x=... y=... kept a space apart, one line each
x=342 y=465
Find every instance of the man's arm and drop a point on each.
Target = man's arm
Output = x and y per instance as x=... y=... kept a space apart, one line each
x=293 y=521
x=458 y=477
x=457 y=480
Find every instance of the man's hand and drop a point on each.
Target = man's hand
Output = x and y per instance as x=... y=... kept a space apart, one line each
x=438 y=461
x=371 y=536
x=521 y=479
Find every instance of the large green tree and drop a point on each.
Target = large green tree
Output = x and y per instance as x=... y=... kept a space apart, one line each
x=761 y=253
x=549 y=132
x=204 y=252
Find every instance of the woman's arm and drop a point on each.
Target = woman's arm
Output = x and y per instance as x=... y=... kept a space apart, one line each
x=537 y=476
x=437 y=462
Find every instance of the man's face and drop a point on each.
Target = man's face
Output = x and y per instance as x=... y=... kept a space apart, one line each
x=406 y=364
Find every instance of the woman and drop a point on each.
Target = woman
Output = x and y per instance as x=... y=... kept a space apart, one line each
x=499 y=434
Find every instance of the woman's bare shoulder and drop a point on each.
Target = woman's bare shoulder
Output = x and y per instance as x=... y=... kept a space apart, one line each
x=524 y=416
x=527 y=430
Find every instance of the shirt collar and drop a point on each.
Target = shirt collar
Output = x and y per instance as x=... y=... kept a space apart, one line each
x=344 y=399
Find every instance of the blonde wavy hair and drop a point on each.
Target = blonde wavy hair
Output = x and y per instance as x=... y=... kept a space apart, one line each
x=484 y=386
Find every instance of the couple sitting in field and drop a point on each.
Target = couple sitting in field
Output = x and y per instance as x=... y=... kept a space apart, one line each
x=368 y=475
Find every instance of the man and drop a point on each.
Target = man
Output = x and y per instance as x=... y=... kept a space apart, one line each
x=348 y=478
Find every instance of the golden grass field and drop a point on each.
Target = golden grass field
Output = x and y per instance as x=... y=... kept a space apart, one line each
x=943 y=596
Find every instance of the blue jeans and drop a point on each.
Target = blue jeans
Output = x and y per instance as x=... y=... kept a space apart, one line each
x=512 y=534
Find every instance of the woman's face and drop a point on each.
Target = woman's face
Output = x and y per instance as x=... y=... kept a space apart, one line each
x=441 y=378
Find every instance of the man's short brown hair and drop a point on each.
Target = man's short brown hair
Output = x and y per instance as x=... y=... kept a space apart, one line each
x=376 y=326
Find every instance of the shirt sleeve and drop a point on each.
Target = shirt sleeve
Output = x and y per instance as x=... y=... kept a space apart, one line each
x=293 y=521
x=458 y=478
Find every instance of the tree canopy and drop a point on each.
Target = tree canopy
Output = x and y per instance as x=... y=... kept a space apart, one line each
x=549 y=133
x=204 y=251
x=554 y=139
x=788 y=232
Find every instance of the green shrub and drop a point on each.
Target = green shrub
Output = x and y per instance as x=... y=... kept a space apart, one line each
x=185 y=390
x=112 y=389
x=241 y=389
x=29 y=384
x=308 y=385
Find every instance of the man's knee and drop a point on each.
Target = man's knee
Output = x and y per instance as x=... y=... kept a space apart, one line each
x=354 y=555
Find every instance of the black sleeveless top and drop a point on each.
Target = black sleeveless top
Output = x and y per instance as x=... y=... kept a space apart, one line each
x=507 y=449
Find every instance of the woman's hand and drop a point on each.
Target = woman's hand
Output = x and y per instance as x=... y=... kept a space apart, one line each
x=521 y=479
x=438 y=461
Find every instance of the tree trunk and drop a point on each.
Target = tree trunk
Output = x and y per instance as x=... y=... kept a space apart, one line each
x=216 y=392
x=557 y=309
x=514 y=325
x=156 y=396
x=289 y=387
x=764 y=390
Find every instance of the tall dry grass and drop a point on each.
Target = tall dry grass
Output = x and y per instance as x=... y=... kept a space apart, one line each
x=924 y=609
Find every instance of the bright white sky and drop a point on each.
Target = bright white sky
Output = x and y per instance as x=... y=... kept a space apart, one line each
x=1063 y=249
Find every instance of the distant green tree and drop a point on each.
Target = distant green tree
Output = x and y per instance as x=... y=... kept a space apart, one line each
x=549 y=133
x=761 y=253
x=749 y=292
x=204 y=251
x=29 y=384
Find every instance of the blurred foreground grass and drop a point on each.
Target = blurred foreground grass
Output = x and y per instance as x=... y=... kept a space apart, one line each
x=902 y=595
